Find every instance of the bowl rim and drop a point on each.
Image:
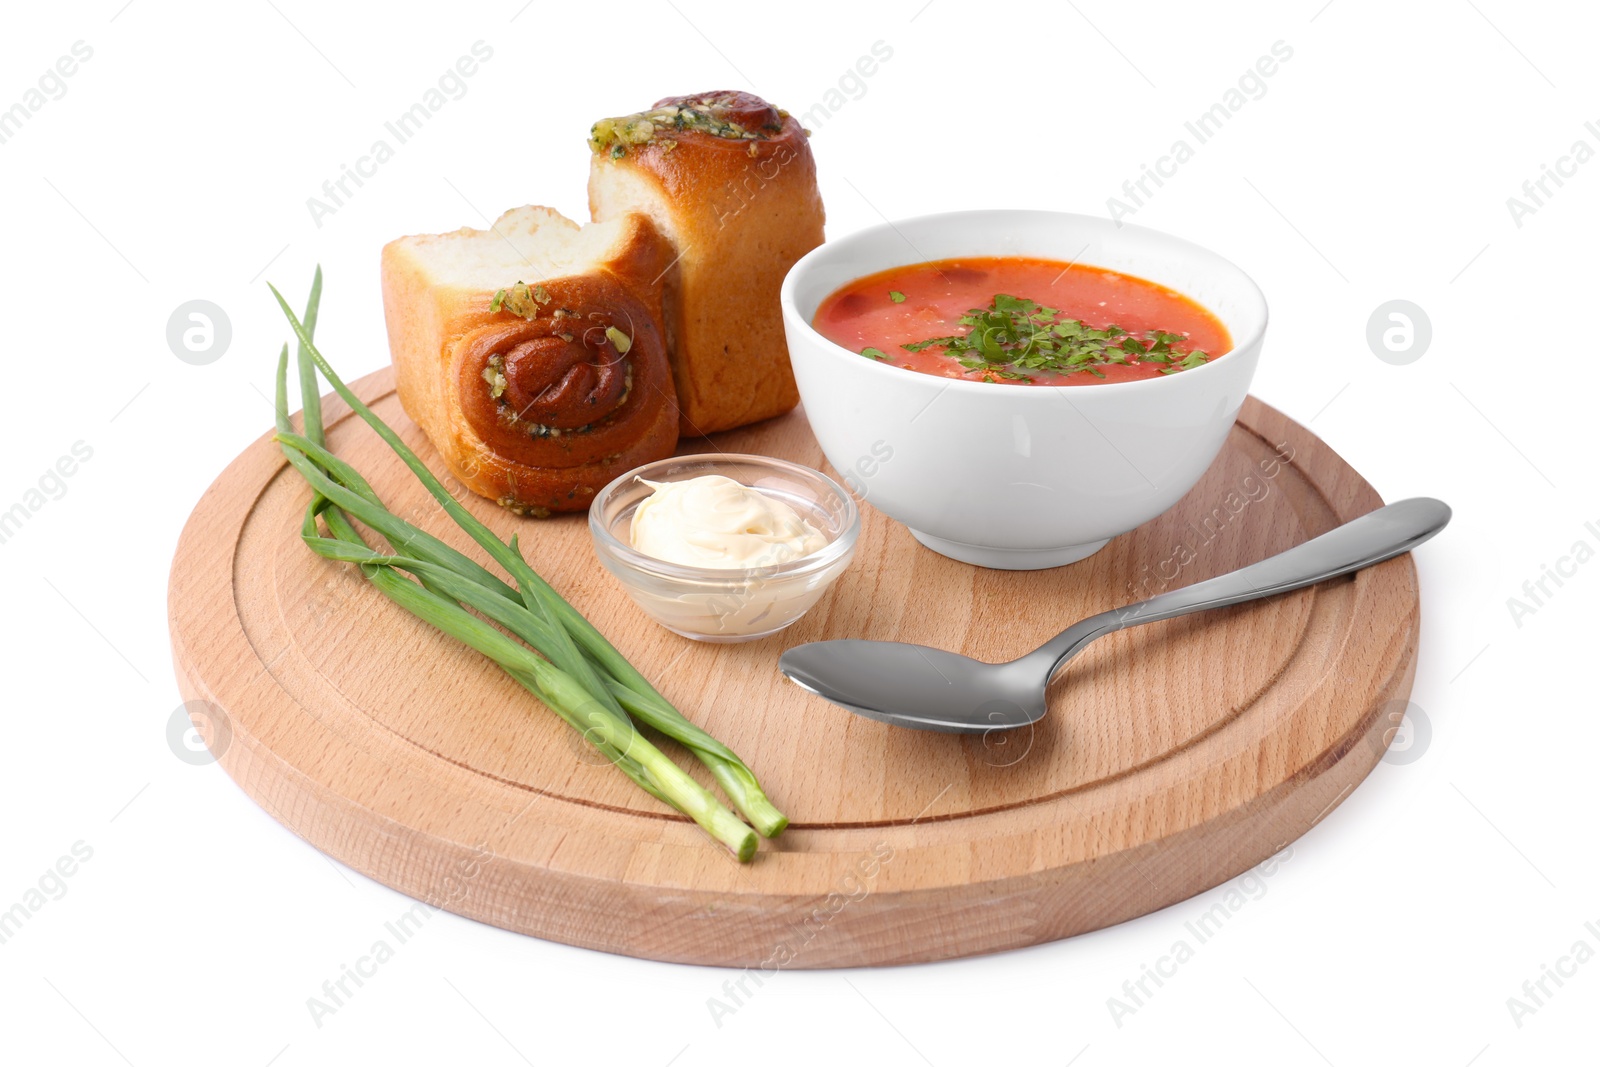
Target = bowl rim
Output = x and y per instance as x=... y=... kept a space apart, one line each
x=837 y=548
x=786 y=297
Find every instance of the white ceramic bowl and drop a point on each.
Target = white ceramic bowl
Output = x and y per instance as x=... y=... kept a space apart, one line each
x=1020 y=477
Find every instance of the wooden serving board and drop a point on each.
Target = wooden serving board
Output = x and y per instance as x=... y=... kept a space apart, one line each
x=1175 y=755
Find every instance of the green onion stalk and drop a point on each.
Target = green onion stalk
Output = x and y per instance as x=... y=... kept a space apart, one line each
x=625 y=686
x=580 y=675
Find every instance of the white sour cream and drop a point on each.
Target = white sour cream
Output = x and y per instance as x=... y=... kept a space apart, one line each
x=714 y=521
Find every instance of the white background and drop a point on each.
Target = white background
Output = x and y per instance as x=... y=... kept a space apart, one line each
x=1377 y=165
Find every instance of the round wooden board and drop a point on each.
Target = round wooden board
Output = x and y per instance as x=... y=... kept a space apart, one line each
x=1175 y=755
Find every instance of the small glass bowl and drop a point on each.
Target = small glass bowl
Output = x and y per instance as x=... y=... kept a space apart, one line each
x=716 y=604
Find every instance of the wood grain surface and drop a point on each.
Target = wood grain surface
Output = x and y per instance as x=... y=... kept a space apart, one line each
x=1175 y=755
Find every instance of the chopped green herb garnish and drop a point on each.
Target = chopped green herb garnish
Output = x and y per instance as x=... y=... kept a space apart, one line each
x=1013 y=336
x=708 y=114
x=897 y=296
x=874 y=353
x=1193 y=359
x=495 y=374
x=520 y=300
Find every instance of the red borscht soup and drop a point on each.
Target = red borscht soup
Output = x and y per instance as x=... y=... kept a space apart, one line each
x=1020 y=321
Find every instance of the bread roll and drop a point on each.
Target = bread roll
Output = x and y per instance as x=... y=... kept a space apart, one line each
x=730 y=180
x=537 y=397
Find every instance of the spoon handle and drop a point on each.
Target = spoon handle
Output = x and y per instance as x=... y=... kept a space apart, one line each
x=1372 y=538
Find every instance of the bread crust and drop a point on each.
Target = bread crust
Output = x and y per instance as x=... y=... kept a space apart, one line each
x=740 y=211
x=570 y=415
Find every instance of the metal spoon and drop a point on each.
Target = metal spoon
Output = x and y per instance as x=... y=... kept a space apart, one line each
x=928 y=689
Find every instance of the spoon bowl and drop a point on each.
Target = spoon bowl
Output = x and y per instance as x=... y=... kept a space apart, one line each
x=916 y=686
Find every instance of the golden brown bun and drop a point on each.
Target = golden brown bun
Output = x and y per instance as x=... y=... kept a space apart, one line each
x=535 y=413
x=740 y=210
